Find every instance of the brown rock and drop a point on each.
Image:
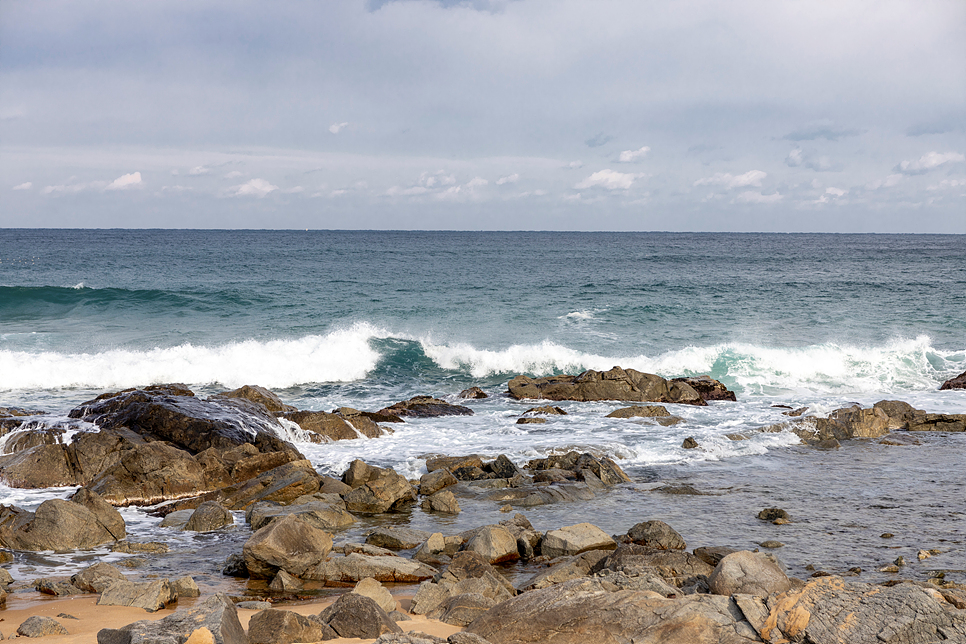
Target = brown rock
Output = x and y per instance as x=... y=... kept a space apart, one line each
x=453 y=462
x=210 y=515
x=391 y=491
x=41 y=626
x=84 y=522
x=324 y=427
x=708 y=388
x=473 y=393
x=575 y=539
x=616 y=384
x=959 y=382
x=546 y=410
x=657 y=535
x=355 y=567
x=357 y=616
x=287 y=544
x=150 y=595
x=638 y=411
x=274 y=626
x=96 y=578
x=260 y=395
x=151 y=473
x=435 y=481
x=495 y=544
x=425 y=407
x=443 y=501
x=747 y=573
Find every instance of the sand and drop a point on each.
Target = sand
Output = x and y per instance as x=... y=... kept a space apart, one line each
x=91 y=618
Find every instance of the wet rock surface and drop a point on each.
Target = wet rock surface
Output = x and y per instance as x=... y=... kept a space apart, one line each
x=615 y=384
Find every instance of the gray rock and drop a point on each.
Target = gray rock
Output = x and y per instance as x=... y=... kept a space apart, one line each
x=375 y=591
x=443 y=501
x=573 y=567
x=355 y=566
x=396 y=537
x=460 y=610
x=149 y=595
x=185 y=586
x=285 y=627
x=390 y=491
x=495 y=544
x=356 y=616
x=96 y=578
x=656 y=534
x=209 y=516
x=40 y=626
x=285 y=583
x=322 y=515
x=575 y=539
x=177 y=519
x=254 y=605
x=57 y=587
x=86 y=521
x=640 y=411
x=235 y=567
x=217 y=614
x=139 y=547
x=434 y=481
x=747 y=573
x=287 y=544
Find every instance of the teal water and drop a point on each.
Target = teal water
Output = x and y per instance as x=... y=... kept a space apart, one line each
x=364 y=319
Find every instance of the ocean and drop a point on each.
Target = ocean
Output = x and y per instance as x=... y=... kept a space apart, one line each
x=367 y=318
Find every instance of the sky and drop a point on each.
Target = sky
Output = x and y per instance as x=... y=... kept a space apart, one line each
x=678 y=115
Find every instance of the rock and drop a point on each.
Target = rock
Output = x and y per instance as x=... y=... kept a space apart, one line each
x=468 y=573
x=747 y=573
x=676 y=567
x=829 y=610
x=333 y=486
x=396 y=537
x=355 y=567
x=473 y=393
x=375 y=591
x=151 y=596
x=285 y=627
x=570 y=568
x=771 y=544
x=390 y=491
x=85 y=521
x=322 y=515
x=185 y=586
x=254 y=605
x=531 y=421
x=260 y=395
x=575 y=539
x=770 y=514
x=58 y=588
x=425 y=407
x=690 y=443
x=495 y=544
x=546 y=410
x=178 y=519
x=959 y=382
x=353 y=615
x=708 y=388
x=443 y=501
x=216 y=614
x=470 y=474
x=713 y=554
x=323 y=427
x=588 y=610
x=647 y=411
x=656 y=534
x=282 y=484
x=288 y=544
x=285 y=583
x=460 y=610
x=96 y=578
x=136 y=547
x=209 y=516
x=605 y=469
x=452 y=463
x=366 y=549
x=186 y=422
x=616 y=384
x=40 y=626
x=149 y=474
x=399 y=616
x=435 y=481
x=503 y=467
x=235 y=566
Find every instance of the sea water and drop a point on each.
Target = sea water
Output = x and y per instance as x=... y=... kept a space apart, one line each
x=364 y=319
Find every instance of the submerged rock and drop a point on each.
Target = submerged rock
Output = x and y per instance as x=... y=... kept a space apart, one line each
x=425 y=407
x=708 y=388
x=616 y=384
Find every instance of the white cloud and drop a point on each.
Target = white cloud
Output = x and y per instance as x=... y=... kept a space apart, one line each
x=945 y=183
x=125 y=181
x=729 y=181
x=335 y=128
x=575 y=165
x=609 y=179
x=396 y=191
x=254 y=188
x=70 y=187
x=234 y=174
x=337 y=193
x=751 y=196
x=450 y=193
x=836 y=192
x=630 y=156
x=294 y=191
x=929 y=161
x=794 y=158
x=510 y=178
x=24 y=186
x=889 y=182
x=476 y=182
x=198 y=170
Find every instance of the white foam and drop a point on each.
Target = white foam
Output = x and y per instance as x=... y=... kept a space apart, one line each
x=340 y=356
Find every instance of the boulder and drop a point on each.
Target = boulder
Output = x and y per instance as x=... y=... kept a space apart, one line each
x=468 y=573
x=531 y=421
x=259 y=395
x=286 y=627
x=639 y=411
x=575 y=539
x=495 y=544
x=425 y=407
x=375 y=591
x=380 y=495
x=138 y=547
x=827 y=609
x=567 y=569
x=322 y=515
x=41 y=626
x=56 y=587
x=676 y=567
x=209 y=516
x=396 y=537
x=216 y=614
x=503 y=467
x=433 y=482
x=547 y=410
x=747 y=573
x=708 y=388
x=959 y=382
x=149 y=474
x=285 y=583
x=656 y=534
x=711 y=555
x=96 y=578
x=453 y=462
x=365 y=422
x=149 y=595
x=473 y=393
x=593 y=610
x=443 y=501
x=185 y=586
x=353 y=615
x=616 y=384
x=288 y=544
x=355 y=567
x=460 y=610
x=323 y=427
x=690 y=443
x=83 y=522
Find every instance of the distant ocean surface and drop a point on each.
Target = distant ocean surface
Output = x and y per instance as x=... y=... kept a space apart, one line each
x=364 y=319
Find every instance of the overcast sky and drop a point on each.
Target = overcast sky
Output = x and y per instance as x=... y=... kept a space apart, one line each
x=528 y=114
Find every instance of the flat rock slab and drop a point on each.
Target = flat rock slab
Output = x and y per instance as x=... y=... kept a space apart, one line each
x=151 y=596
x=575 y=539
x=355 y=567
x=217 y=614
x=397 y=537
x=425 y=407
x=40 y=626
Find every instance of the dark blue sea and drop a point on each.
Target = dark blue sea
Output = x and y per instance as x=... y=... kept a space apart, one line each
x=364 y=319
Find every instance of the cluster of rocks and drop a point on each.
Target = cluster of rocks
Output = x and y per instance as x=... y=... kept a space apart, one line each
x=878 y=421
x=959 y=382
x=620 y=384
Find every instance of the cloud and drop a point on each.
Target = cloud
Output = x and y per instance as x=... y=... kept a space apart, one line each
x=396 y=191
x=799 y=157
x=729 y=181
x=254 y=188
x=197 y=170
x=575 y=165
x=69 y=187
x=609 y=179
x=751 y=196
x=234 y=174
x=125 y=181
x=889 y=182
x=598 y=140
x=335 y=128
x=821 y=130
x=631 y=156
x=294 y=191
x=794 y=158
x=831 y=194
x=24 y=186
x=929 y=161
x=510 y=178
x=476 y=182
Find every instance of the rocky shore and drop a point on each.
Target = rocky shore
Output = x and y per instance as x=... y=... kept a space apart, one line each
x=199 y=464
